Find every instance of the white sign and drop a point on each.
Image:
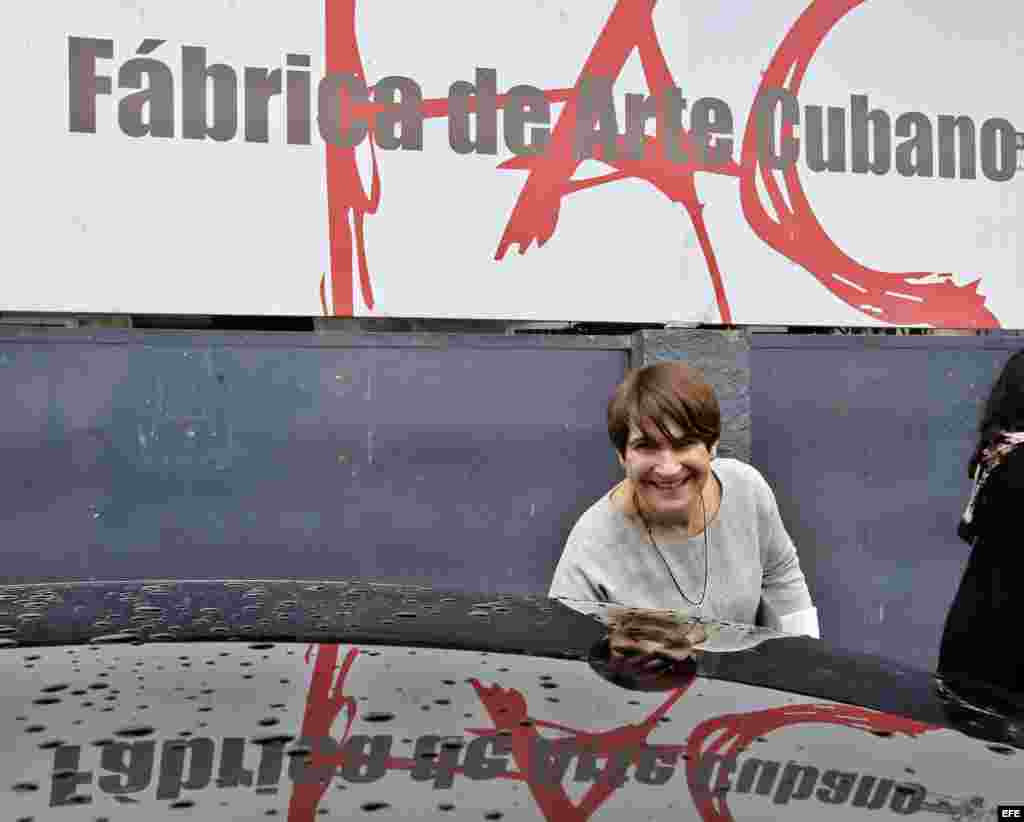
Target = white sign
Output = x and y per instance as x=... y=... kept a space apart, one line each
x=591 y=160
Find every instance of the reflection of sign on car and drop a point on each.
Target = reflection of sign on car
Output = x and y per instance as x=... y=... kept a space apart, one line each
x=607 y=759
x=477 y=729
x=543 y=764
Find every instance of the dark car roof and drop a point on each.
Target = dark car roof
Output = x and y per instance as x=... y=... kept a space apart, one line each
x=249 y=677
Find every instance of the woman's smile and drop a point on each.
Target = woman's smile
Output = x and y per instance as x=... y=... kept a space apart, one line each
x=668 y=486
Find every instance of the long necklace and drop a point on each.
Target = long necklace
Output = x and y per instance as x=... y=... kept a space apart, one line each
x=650 y=534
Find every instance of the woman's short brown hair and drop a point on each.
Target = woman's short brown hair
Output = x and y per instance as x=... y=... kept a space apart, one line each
x=662 y=392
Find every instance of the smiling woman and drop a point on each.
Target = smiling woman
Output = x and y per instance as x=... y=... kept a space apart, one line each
x=684 y=529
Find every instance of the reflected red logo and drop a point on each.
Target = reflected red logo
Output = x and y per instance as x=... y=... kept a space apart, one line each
x=789 y=227
x=711 y=742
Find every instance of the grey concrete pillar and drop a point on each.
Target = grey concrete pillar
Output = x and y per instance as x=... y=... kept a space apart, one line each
x=724 y=358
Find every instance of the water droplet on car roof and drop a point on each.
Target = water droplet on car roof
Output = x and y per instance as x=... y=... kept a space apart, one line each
x=111 y=639
x=52 y=689
x=276 y=739
x=135 y=731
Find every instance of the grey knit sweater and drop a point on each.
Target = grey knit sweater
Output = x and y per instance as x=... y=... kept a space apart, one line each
x=753 y=561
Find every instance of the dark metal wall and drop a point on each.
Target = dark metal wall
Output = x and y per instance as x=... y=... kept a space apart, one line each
x=463 y=461
x=724 y=359
x=453 y=460
x=865 y=441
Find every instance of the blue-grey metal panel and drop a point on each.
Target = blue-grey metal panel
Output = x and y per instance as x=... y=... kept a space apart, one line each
x=865 y=441
x=438 y=459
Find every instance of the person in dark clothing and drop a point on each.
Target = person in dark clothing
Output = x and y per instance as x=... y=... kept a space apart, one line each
x=978 y=641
